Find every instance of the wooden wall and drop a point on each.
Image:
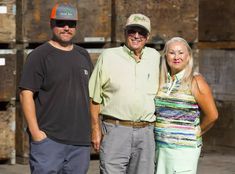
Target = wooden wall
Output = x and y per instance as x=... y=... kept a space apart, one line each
x=103 y=21
x=33 y=18
x=7 y=104
x=207 y=24
x=216 y=63
x=7 y=24
x=7 y=133
x=168 y=18
x=216 y=20
x=7 y=74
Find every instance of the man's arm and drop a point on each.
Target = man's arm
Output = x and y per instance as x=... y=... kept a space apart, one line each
x=96 y=135
x=28 y=106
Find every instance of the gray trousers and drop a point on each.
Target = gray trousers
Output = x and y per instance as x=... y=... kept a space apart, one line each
x=127 y=150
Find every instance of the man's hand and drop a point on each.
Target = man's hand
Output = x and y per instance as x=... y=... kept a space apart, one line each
x=96 y=138
x=96 y=135
x=38 y=136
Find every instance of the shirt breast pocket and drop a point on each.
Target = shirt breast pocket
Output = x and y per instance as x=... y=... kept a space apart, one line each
x=152 y=84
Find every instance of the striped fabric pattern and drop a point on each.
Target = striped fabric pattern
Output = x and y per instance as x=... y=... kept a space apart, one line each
x=177 y=122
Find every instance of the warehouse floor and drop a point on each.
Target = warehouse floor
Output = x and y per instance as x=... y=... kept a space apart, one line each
x=211 y=162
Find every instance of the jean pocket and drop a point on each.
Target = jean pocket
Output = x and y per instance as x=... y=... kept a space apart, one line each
x=40 y=142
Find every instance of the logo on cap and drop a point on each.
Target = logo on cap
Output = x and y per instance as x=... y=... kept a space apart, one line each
x=64 y=11
x=139 y=20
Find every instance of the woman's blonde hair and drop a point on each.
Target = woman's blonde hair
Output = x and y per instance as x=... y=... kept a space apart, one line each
x=188 y=75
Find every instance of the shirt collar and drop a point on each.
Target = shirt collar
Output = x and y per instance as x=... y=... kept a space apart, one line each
x=178 y=76
x=130 y=52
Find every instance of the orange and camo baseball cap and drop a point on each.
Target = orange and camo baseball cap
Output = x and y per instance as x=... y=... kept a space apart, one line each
x=64 y=11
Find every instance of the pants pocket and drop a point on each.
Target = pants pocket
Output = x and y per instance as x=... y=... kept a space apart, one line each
x=107 y=127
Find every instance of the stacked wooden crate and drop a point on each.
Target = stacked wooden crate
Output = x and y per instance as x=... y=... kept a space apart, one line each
x=168 y=18
x=216 y=63
x=7 y=24
x=7 y=80
x=7 y=104
x=34 y=27
x=101 y=25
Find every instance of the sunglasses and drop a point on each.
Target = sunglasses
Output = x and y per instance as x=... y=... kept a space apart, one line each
x=63 y=23
x=132 y=31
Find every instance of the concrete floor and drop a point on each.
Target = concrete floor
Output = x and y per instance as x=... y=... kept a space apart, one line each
x=210 y=163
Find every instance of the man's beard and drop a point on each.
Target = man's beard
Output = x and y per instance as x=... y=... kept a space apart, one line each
x=62 y=42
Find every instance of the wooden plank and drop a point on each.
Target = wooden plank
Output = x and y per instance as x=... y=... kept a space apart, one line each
x=216 y=20
x=34 y=27
x=7 y=133
x=94 y=54
x=7 y=18
x=215 y=45
x=22 y=138
x=94 y=20
x=218 y=68
x=223 y=132
x=7 y=74
x=33 y=20
x=168 y=18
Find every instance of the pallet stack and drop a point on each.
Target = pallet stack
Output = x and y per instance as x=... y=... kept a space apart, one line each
x=208 y=29
x=7 y=81
x=216 y=63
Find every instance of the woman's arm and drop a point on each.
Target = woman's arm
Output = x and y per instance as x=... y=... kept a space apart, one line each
x=205 y=100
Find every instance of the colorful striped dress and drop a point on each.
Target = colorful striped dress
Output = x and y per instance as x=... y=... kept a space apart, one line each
x=178 y=115
x=176 y=128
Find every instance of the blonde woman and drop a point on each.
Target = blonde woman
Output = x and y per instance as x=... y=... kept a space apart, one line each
x=185 y=110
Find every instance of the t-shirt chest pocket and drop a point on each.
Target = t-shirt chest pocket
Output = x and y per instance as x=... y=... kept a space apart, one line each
x=84 y=76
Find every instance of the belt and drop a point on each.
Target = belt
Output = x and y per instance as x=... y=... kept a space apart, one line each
x=133 y=124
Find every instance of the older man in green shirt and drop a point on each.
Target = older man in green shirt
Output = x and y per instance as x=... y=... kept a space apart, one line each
x=122 y=88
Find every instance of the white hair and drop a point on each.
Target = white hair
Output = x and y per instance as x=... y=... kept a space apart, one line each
x=188 y=75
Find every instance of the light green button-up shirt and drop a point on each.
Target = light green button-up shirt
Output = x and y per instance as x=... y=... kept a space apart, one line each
x=126 y=88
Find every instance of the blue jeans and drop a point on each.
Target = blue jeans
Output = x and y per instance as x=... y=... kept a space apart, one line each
x=48 y=156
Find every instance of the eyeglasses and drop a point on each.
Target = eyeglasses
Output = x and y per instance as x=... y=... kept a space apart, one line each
x=63 y=23
x=131 y=32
